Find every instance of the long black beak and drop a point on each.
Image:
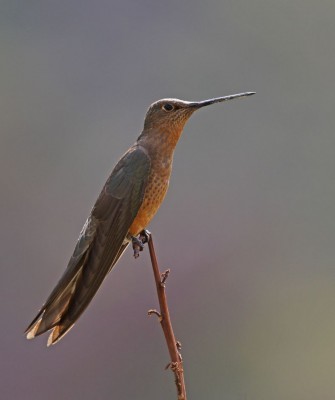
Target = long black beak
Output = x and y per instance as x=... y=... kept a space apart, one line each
x=208 y=102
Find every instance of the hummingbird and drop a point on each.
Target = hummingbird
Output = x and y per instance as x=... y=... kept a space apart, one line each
x=127 y=203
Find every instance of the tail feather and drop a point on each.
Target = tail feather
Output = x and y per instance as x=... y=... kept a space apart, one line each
x=62 y=310
x=53 y=312
x=57 y=333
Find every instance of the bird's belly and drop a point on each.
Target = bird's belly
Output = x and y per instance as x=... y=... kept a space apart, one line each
x=153 y=198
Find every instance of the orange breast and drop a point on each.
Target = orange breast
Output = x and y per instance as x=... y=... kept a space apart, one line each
x=153 y=197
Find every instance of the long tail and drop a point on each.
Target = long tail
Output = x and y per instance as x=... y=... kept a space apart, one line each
x=67 y=302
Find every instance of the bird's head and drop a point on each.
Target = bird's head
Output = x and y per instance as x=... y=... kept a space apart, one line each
x=168 y=116
x=174 y=113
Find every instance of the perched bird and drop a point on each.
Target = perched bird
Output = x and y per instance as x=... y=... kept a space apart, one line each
x=127 y=203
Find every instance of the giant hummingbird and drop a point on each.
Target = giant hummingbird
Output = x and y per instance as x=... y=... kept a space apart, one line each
x=127 y=203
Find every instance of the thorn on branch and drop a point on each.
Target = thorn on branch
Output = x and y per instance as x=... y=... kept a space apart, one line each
x=159 y=315
x=164 y=277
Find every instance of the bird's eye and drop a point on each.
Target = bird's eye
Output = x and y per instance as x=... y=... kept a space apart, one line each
x=168 y=107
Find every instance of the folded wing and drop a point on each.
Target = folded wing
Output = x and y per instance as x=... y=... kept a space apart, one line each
x=100 y=244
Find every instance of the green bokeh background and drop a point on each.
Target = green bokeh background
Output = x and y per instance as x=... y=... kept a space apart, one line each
x=247 y=226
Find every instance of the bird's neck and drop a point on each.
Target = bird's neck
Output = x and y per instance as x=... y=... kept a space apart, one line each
x=160 y=143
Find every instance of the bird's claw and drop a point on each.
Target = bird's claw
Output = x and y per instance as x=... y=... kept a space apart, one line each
x=145 y=236
x=138 y=242
x=137 y=246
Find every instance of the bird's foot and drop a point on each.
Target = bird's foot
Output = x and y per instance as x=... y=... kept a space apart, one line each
x=145 y=236
x=138 y=242
x=137 y=246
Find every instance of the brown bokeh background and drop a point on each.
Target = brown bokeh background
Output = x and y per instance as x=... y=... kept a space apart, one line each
x=247 y=226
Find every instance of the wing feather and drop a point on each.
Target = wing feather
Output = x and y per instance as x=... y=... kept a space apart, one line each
x=100 y=244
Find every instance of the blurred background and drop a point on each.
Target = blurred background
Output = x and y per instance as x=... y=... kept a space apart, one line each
x=247 y=227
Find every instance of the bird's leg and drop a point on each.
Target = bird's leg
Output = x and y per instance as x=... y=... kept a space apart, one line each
x=137 y=246
x=138 y=242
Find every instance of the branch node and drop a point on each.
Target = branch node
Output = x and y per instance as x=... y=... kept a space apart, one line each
x=176 y=367
x=164 y=277
x=159 y=315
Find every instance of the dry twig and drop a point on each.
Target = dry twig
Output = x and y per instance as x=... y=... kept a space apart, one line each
x=176 y=364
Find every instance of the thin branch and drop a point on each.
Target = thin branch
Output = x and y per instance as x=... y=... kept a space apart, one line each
x=176 y=364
